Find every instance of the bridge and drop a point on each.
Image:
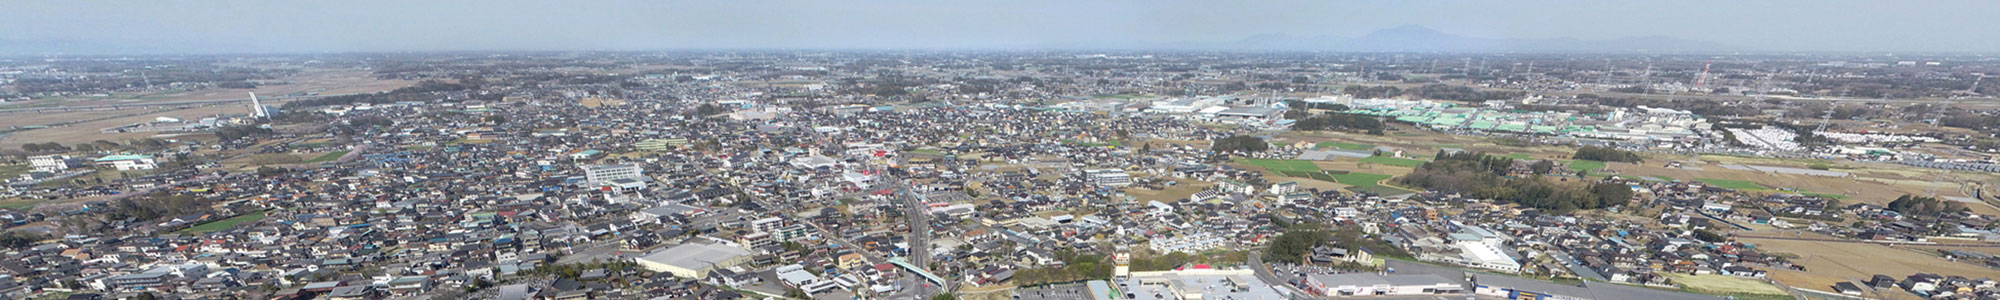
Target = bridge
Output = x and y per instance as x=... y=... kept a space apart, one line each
x=905 y=264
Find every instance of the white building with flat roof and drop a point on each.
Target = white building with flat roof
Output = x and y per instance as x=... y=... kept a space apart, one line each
x=1371 y=284
x=1109 y=177
x=50 y=163
x=605 y=174
x=693 y=260
x=1487 y=256
x=128 y=162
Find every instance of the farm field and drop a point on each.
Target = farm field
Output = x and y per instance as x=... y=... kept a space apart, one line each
x=1741 y=185
x=1875 y=183
x=11 y=171
x=1585 y=165
x=1344 y=145
x=1831 y=262
x=329 y=156
x=1361 y=179
x=1400 y=162
x=1281 y=165
x=1726 y=285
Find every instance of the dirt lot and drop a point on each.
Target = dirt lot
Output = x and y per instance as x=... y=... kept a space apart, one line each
x=1726 y=284
x=1181 y=190
x=1831 y=262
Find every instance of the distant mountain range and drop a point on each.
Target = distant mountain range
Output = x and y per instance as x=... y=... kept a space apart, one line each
x=1413 y=38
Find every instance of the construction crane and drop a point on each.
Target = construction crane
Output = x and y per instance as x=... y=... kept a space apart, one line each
x=1703 y=80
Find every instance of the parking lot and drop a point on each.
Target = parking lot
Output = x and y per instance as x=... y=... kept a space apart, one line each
x=1055 y=292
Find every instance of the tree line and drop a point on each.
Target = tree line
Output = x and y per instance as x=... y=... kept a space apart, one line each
x=1924 y=206
x=1341 y=121
x=1606 y=154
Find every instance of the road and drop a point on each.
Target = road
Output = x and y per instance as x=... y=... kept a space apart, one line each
x=1885 y=243
x=1271 y=277
x=918 y=217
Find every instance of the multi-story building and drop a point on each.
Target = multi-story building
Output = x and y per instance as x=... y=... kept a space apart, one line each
x=606 y=174
x=50 y=163
x=1109 y=177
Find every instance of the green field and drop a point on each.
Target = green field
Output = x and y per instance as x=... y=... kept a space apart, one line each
x=1321 y=176
x=1826 y=195
x=1401 y=162
x=1664 y=178
x=1742 y=185
x=1281 y=165
x=329 y=156
x=1344 y=145
x=226 y=224
x=1522 y=156
x=1585 y=165
x=1360 y=179
x=12 y=171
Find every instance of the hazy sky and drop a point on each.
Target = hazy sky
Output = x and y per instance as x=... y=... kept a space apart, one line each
x=344 y=25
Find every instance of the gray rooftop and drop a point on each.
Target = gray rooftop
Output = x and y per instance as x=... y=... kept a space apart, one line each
x=1589 y=291
x=696 y=256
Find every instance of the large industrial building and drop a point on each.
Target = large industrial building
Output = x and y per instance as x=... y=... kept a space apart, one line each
x=1370 y=284
x=694 y=260
x=1527 y=289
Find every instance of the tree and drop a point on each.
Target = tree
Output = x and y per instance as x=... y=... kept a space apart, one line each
x=706 y=109
x=1295 y=243
x=1543 y=166
x=944 y=297
x=1707 y=236
x=20 y=239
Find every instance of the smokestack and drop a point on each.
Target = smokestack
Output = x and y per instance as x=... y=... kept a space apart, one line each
x=256 y=108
